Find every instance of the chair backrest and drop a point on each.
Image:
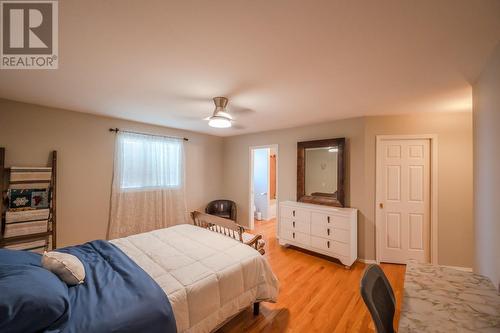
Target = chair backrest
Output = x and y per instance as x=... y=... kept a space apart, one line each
x=379 y=298
x=223 y=208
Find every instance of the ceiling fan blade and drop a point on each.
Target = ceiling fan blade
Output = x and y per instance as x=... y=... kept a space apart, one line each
x=236 y=126
x=189 y=98
x=236 y=110
x=193 y=116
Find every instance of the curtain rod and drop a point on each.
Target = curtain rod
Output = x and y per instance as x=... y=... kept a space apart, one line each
x=116 y=130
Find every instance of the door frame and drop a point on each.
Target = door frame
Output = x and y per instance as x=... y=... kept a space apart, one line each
x=433 y=228
x=250 y=181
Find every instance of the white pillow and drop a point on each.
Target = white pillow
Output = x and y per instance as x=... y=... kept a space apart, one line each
x=66 y=266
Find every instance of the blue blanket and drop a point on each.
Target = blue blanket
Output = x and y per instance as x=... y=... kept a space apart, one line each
x=117 y=295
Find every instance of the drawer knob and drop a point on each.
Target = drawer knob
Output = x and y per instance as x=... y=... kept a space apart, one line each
x=328 y=244
x=294 y=213
x=328 y=231
x=293 y=224
x=293 y=235
x=328 y=219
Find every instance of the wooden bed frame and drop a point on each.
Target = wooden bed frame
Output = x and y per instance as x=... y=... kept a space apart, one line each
x=228 y=228
x=231 y=229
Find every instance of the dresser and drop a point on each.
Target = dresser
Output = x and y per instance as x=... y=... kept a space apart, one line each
x=330 y=231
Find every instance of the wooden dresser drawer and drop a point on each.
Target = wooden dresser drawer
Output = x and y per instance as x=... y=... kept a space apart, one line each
x=296 y=236
x=330 y=232
x=324 y=244
x=295 y=225
x=330 y=220
x=341 y=249
x=296 y=214
x=341 y=235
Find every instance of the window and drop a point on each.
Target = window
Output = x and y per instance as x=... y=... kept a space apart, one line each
x=149 y=162
x=148 y=184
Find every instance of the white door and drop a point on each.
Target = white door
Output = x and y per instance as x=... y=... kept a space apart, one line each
x=403 y=200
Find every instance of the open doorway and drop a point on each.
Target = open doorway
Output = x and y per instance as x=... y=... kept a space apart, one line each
x=263 y=192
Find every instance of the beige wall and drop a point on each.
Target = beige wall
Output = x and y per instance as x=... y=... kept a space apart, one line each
x=236 y=165
x=85 y=152
x=219 y=167
x=486 y=94
x=454 y=132
x=455 y=219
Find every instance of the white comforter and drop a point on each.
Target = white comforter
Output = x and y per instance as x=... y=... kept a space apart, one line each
x=207 y=277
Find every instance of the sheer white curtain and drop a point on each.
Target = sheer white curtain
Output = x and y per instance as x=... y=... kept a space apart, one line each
x=148 y=184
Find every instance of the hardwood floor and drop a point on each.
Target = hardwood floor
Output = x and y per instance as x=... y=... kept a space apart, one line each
x=316 y=294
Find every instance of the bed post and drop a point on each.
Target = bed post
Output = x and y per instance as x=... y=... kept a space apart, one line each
x=256 y=308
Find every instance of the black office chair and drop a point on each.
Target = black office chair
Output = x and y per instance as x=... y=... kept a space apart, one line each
x=222 y=208
x=379 y=298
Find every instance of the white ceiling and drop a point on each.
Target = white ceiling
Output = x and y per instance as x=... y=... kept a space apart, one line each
x=282 y=63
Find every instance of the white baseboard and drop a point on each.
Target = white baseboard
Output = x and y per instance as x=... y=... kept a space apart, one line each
x=459 y=268
x=367 y=261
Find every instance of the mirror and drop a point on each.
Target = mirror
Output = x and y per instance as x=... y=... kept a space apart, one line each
x=320 y=172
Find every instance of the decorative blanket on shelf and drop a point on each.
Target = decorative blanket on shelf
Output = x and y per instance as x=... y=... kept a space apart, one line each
x=30 y=177
x=28 y=212
x=26 y=222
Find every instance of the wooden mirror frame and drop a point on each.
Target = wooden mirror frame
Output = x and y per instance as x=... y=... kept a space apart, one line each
x=301 y=172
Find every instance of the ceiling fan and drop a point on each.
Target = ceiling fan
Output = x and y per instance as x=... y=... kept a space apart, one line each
x=221 y=117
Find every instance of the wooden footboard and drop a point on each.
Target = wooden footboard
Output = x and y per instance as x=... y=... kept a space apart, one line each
x=228 y=228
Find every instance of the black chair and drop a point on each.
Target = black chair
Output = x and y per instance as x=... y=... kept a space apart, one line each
x=222 y=208
x=379 y=298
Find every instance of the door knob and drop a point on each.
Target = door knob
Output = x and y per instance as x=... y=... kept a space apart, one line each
x=381 y=205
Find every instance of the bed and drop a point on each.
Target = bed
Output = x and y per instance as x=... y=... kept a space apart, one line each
x=183 y=278
x=208 y=277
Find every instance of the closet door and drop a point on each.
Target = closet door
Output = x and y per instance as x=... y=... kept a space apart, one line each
x=403 y=200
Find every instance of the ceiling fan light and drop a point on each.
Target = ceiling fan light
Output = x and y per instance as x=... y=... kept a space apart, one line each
x=224 y=114
x=219 y=122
